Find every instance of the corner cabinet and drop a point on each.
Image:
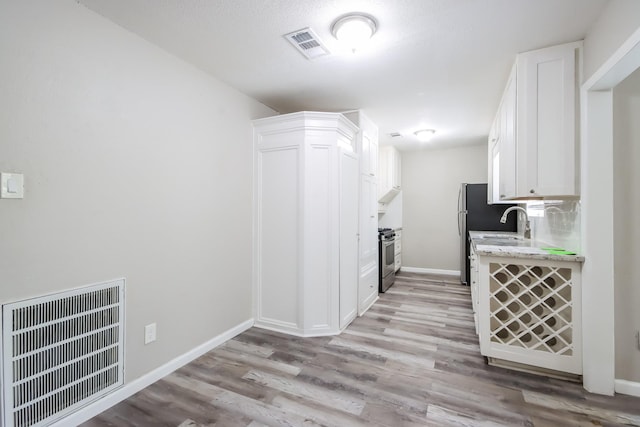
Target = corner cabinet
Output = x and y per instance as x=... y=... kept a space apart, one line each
x=367 y=146
x=306 y=171
x=533 y=143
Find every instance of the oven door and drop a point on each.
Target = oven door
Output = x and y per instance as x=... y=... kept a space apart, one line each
x=388 y=257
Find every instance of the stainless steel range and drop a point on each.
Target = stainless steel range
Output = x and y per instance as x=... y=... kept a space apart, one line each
x=386 y=258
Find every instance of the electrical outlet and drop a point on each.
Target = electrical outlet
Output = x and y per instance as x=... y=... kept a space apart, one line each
x=150 y=333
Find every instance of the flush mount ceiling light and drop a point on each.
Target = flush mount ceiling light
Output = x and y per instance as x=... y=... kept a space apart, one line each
x=354 y=30
x=425 y=135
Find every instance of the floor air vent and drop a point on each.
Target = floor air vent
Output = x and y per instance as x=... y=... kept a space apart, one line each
x=308 y=43
x=61 y=352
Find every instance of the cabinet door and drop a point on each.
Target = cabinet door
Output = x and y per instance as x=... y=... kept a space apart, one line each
x=501 y=150
x=546 y=132
x=397 y=169
x=384 y=181
x=373 y=155
x=368 y=223
x=349 y=173
x=507 y=141
x=369 y=144
x=492 y=182
x=368 y=289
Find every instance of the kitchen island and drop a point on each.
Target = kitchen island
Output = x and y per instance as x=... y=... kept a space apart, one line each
x=527 y=303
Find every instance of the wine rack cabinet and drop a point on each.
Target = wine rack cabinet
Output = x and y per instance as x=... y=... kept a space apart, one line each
x=530 y=312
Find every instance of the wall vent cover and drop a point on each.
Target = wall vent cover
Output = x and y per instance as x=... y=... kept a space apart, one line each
x=60 y=352
x=308 y=43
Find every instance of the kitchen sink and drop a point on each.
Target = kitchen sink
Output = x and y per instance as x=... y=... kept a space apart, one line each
x=499 y=237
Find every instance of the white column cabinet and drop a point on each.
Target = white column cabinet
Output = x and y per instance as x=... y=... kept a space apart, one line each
x=367 y=145
x=533 y=143
x=306 y=223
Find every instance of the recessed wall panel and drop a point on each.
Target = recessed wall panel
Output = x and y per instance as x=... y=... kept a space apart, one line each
x=279 y=201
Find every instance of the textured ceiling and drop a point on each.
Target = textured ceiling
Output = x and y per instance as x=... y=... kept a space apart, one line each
x=438 y=64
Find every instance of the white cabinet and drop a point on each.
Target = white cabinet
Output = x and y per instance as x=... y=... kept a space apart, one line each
x=398 y=250
x=474 y=285
x=507 y=141
x=529 y=313
x=546 y=123
x=390 y=173
x=502 y=147
x=367 y=146
x=368 y=141
x=306 y=223
x=532 y=144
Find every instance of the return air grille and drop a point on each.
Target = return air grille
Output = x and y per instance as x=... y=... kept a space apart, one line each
x=307 y=42
x=60 y=352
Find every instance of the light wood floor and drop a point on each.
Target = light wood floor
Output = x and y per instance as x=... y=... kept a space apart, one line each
x=412 y=360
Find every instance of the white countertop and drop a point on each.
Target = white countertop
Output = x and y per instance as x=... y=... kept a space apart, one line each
x=513 y=245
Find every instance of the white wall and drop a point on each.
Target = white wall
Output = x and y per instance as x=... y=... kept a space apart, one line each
x=619 y=19
x=626 y=152
x=136 y=165
x=619 y=22
x=430 y=183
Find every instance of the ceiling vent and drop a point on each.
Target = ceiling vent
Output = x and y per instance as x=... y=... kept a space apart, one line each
x=308 y=43
x=394 y=134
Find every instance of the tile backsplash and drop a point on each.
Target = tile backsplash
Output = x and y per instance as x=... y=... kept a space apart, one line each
x=556 y=223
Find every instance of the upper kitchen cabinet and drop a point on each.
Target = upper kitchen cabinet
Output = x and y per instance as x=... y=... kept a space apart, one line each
x=389 y=172
x=367 y=142
x=502 y=147
x=535 y=152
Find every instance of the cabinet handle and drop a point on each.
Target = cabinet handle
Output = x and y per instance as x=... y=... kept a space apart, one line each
x=532 y=191
x=372 y=174
x=372 y=216
x=502 y=196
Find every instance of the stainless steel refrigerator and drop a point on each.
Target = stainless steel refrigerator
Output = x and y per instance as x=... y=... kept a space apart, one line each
x=475 y=214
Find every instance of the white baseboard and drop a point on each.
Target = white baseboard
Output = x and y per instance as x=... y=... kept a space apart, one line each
x=454 y=273
x=95 y=408
x=627 y=387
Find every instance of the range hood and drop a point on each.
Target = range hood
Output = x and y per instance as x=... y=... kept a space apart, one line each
x=389 y=195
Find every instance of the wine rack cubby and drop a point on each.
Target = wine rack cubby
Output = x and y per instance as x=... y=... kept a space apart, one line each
x=531 y=312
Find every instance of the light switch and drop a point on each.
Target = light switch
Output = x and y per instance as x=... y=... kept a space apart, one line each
x=11 y=185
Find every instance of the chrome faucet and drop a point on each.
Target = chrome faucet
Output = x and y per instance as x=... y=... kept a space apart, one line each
x=527 y=224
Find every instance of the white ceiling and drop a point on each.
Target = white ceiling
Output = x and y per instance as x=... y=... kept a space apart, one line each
x=438 y=64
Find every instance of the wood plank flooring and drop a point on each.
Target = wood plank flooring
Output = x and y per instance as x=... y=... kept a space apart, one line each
x=412 y=360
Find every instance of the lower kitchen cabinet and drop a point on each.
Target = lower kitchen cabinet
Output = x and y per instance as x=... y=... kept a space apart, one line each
x=473 y=276
x=368 y=289
x=529 y=312
x=397 y=256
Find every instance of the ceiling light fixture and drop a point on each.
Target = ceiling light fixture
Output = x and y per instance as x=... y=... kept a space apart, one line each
x=425 y=135
x=354 y=30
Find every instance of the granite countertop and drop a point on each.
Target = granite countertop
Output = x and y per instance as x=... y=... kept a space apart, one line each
x=513 y=245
